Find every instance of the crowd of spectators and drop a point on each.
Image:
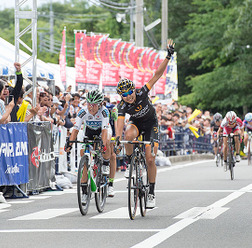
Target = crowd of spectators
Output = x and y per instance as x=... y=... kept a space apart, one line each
x=61 y=108
x=173 y=120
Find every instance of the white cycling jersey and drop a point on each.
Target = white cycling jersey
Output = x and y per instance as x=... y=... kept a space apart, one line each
x=93 y=122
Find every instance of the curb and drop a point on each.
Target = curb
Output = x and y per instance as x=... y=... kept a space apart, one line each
x=191 y=157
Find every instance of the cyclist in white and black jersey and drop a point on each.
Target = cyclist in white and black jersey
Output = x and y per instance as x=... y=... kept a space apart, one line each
x=95 y=118
x=136 y=103
x=248 y=128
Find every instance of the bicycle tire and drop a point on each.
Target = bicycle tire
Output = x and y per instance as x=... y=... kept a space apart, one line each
x=83 y=208
x=249 y=154
x=231 y=162
x=101 y=194
x=133 y=189
x=218 y=160
x=145 y=187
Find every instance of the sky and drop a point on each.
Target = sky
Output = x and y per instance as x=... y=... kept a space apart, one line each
x=11 y=3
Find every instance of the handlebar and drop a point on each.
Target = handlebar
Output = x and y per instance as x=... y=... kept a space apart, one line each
x=118 y=142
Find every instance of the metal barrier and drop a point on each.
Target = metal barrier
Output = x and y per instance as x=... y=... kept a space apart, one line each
x=185 y=143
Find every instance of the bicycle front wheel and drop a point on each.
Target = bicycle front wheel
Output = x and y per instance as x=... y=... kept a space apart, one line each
x=145 y=186
x=133 y=189
x=83 y=206
x=101 y=194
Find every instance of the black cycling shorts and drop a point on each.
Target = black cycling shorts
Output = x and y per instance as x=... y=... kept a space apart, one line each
x=150 y=128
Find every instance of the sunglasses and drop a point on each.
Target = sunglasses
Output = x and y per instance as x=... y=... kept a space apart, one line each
x=127 y=93
x=42 y=94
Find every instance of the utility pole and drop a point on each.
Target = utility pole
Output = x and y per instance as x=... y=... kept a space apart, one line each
x=164 y=24
x=139 y=24
x=131 y=21
x=51 y=29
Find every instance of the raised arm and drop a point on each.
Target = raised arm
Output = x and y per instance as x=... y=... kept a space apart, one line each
x=159 y=72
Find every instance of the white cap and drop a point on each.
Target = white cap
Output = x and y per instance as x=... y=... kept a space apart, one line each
x=56 y=100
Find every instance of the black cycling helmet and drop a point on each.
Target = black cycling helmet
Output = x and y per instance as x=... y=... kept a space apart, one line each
x=217 y=117
x=124 y=85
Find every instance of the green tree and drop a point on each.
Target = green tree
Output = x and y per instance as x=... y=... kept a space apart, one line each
x=216 y=42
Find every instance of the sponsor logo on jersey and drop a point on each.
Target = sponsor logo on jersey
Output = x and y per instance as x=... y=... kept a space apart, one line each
x=138 y=108
x=81 y=113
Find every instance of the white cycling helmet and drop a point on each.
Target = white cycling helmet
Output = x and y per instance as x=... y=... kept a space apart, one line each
x=248 y=117
x=231 y=117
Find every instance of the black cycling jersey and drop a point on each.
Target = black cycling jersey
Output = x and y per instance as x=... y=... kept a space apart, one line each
x=142 y=109
x=215 y=127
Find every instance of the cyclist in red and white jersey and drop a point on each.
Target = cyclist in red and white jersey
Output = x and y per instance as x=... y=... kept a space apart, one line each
x=231 y=124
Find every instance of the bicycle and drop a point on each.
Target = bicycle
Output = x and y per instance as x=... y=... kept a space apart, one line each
x=219 y=152
x=230 y=154
x=97 y=183
x=249 y=147
x=138 y=181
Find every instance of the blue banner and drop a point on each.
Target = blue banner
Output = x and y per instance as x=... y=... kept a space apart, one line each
x=14 y=165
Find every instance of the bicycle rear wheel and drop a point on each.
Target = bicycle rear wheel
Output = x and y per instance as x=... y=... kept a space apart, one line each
x=101 y=194
x=83 y=207
x=133 y=189
x=145 y=186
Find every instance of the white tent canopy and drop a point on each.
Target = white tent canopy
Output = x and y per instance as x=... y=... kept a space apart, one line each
x=7 y=57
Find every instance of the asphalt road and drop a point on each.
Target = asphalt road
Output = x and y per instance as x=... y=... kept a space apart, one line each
x=197 y=206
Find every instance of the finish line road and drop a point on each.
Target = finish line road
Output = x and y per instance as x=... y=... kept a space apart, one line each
x=197 y=206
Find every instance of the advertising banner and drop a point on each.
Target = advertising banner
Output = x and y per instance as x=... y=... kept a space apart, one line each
x=94 y=63
x=110 y=67
x=13 y=154
x=41 y=156
x=126 y=67
x=139 y=71
x=160 y=84
x=146 y=63
x=80 y=58
x=171 y=87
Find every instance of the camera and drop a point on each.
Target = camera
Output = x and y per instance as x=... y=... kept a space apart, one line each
x=8 y=99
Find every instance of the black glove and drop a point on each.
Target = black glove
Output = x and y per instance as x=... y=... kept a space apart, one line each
x=67 y=145
x=170 y=51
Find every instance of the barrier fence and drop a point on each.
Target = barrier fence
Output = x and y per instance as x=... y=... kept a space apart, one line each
x=26 y=156
x=184 y=143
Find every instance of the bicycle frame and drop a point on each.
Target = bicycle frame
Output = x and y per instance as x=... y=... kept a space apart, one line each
x=96 y=182
x=138 y=183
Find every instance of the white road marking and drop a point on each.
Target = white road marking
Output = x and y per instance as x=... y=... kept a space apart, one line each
x=120 y=213
x=20 y=202
x=168 y=168
x=202 y=212
x=210 y=211
x=166 y=233
x=52 y=193
x=1 y=211
x=46 y=214
x=78 y=230
x=187 y=191
x=38 y=197
x=4 y=205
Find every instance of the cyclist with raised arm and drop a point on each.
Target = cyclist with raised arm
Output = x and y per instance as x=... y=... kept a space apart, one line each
x=137 y=104
x=231 y=124
x=215 y=124
x=248 y=127
x=95 y=117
